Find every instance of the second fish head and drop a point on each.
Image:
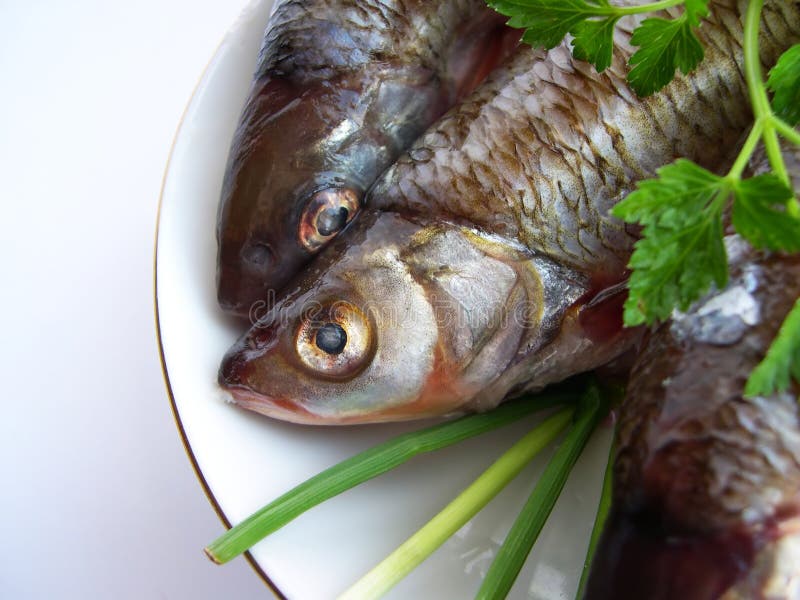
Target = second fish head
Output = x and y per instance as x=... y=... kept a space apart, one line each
x=300 y=163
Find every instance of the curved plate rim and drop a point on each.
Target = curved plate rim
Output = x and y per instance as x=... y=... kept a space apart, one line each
x=187 y=447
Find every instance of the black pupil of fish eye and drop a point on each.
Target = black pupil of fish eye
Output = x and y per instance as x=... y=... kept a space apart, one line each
x=332 y=220
x=331 y=338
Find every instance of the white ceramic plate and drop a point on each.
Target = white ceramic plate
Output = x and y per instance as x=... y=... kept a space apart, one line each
x=244 y=460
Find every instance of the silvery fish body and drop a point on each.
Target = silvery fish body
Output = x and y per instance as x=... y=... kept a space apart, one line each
x=547 y=146
x=706 y=498
x=487 y=264
x=341 y=89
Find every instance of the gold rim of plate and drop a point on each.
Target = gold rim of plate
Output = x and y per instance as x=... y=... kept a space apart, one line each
x=165 y=372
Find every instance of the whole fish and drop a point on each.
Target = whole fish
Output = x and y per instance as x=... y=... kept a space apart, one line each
x=342 y=87
x=508 y=275
x=706 y=497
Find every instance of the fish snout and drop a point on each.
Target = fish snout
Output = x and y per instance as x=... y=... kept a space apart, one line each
x=237 y=364
x=238 y=376
x=233 y=371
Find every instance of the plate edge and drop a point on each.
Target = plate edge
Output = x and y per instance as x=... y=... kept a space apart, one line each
x=164 y=370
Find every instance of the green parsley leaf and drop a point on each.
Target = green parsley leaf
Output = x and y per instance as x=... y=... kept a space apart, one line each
x=681 y=252
x=673 y=267
x=682 y=186
x=695 y=10
x=782 y=362
x=594 y=42
x=784 y=81
x=664 y=46
x=546 y=22
x=759 y=213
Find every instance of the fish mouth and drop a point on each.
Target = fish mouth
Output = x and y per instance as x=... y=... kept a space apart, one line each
x=232 y=379
x=286 y=410
x=275 y=408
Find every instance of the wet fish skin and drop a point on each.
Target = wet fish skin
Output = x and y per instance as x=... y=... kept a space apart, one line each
x=454 y=320
x=501 y=264
x=342 y=87
x=546 y=147
x=707 y=482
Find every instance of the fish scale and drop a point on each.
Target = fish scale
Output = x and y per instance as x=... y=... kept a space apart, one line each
x=500 y=210
x=545 y=148
x=354 y=34
x=706 y=497
x=342 y=87
x=707 y=481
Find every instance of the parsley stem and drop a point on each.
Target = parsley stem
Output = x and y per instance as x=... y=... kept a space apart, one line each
x=762 y=111
x=773 y=149
x=791 y=134
x=746 y=152
x=787 y=131
x=642 y=8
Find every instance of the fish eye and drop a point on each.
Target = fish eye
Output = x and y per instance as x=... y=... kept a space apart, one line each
x=331 y=338
x=327 y=213
x=335 y=341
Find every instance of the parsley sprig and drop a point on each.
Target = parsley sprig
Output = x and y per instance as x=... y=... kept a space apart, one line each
x=681 y=251
x=664 y=44
x=782 y=361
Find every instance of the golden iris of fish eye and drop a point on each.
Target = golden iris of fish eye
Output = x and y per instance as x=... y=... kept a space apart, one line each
x=309 y=235
x=357 y=350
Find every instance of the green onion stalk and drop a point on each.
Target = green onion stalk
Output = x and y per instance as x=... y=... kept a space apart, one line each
x=599 y=522
x=366 y=465
x=434 y=533
x=525 y=530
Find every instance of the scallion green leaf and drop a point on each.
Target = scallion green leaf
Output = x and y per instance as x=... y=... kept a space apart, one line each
x=599 y=522
x=529 y=523
x=434 y=533
x=366 y=465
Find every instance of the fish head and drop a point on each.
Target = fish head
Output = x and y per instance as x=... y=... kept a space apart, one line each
x=320 y=125
x=354 y=338
x=282 y=200
x=403 y=319
x=300 y=162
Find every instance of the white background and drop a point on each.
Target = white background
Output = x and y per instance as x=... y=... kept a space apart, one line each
x=97 y=497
